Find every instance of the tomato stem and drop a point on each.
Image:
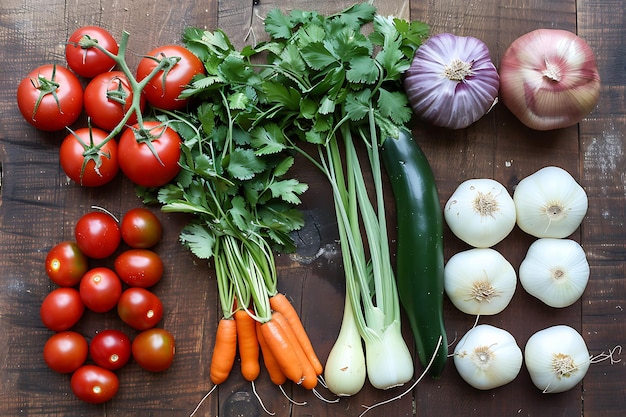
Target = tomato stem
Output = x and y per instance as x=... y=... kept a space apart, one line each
x=135 y=86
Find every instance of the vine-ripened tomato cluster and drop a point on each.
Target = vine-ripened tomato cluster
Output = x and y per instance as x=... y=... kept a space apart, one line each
x=125 y=287
x=120 y=133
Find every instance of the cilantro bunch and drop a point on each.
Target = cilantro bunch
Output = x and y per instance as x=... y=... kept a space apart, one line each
x=234 y=185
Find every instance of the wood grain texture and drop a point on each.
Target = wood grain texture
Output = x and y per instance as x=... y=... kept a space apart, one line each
x=38 y=207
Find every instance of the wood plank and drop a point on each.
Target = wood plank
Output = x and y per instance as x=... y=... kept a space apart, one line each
x=38 y=207
x=602 y=164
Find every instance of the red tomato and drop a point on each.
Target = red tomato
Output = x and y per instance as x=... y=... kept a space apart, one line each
x=139 y=267
x=83 y=162
x=61 y=309
x=65 y=352
x=66 y=264
x=50 y=97
x=139 y=308
x=94 y=384
x=84 y=58
x=97 y=234
x=100 y=289
x=110 y=349
x=164 y=88
x=139 y=163
x=154 y=349
x=107 y=99
x=141 y=229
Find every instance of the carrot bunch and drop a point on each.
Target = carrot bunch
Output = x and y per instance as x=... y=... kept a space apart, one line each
x=286 y=349
x=258 y=321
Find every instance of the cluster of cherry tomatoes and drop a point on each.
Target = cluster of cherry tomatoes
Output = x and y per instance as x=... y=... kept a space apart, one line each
x=125 y=287
x=52 y=97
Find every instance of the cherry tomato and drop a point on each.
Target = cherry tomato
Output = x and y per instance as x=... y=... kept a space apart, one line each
x=154 y=349
x=139 y=267
x=65 y=352
x=165 y=87
x=139 y=163
x=61 y=309
x=94 y=384
x=66 y=264
x=100 y=289
x=97 y=234
x=139 y=308
x=84 y=58
x=50 y=97
x=110 y=349
x=84 y=163
x=107 y=99
x=141 y=229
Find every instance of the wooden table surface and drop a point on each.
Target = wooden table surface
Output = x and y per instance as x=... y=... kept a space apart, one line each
x=38 y=208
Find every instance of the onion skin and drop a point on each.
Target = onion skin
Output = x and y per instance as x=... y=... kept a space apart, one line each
x=549 y=79
x=446 y=102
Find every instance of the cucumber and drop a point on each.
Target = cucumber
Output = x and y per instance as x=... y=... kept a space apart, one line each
x=419 y=257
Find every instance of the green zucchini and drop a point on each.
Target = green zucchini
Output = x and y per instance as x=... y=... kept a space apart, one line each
x=419 y=254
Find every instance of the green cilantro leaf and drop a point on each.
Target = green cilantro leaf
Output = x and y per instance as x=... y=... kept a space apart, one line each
x=268 y=139
x=283 y=166
x=199 y=240
x=394 y=105
x=318 y=57
x=278 y=25
x=288 y=190
x=244 y=164
x=363 y=70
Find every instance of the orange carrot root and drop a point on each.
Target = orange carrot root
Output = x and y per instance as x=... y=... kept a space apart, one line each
x=224 y=352
x=280 y=303
x=277 y=376
x=309 y=375
x=248 y=345
x=284 y=353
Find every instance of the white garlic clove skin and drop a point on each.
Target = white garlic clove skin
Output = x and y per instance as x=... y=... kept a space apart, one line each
x=555 y=271
x=550 y=203
x=557 y=358
x=479 y=281
x=480 y=212
x=488 y=357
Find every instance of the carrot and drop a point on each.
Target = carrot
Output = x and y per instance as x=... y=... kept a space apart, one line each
x=282 y=350
x=309 y=376
x=271 y=364
x=280 y=303
x=225 y=350
x=248 y=345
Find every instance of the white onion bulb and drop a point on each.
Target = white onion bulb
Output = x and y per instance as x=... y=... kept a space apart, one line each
x=479 y=281
x=550 y=203
x=452 y=81
x=555 y=271
x=488 y=357
x=557 y=358
x=480 y=212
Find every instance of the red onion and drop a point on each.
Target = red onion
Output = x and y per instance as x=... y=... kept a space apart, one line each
x=452 y=81
x=549 y=79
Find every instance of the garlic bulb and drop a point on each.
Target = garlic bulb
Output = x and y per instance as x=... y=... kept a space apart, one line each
x=487 y=357
x=479 y=281
x=480 y=212
x=550 y=203
x=557 y=358
x=452 y=81
x=549 y=79
x=555 y=271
